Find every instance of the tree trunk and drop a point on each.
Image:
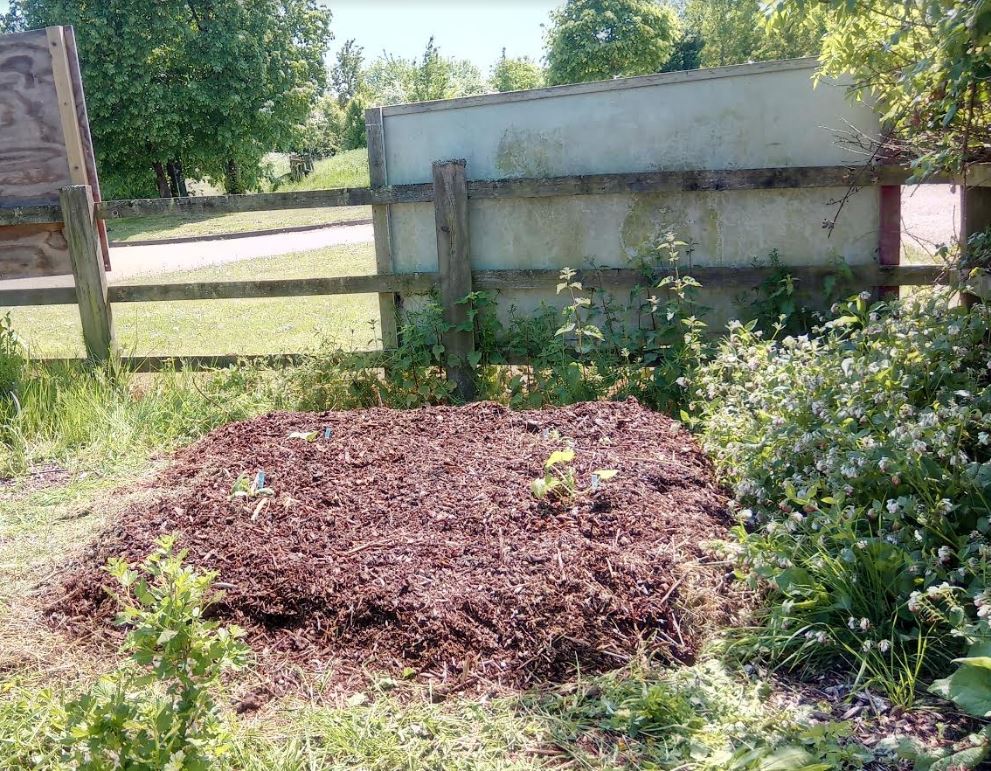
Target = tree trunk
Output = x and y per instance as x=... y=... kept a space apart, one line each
x=161 y=180
x=232 y=180
x=177 y=179
x=183 y=190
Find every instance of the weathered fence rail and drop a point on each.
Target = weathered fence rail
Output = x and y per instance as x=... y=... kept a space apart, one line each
x=488 y=280
x=455 y=276
x=541 y=187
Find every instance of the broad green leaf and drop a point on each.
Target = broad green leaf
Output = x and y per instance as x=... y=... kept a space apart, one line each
x=969 y=688
x=559 y=456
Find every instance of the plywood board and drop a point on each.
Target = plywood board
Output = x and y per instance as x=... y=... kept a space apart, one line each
x=46 y=145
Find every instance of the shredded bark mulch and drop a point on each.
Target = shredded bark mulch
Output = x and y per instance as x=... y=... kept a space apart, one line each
x=410 y=542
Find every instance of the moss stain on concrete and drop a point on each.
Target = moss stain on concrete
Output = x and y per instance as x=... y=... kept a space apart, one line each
x=692 y=218
x=525 y=153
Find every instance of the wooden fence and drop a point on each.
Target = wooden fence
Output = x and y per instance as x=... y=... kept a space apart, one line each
x=450 y=192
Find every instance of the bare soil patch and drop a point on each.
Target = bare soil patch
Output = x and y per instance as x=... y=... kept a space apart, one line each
x=409 y=541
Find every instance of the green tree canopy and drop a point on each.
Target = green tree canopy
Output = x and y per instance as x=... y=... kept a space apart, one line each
x=345 y=75
x=208 y=86
x=394 y=80
x=516 y=74
x=353 y=132
x=601 y=39
x=737 y=31
x=323 y=131
x=928 y=62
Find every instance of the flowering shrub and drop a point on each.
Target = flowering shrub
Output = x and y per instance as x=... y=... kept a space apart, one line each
x=860 y=459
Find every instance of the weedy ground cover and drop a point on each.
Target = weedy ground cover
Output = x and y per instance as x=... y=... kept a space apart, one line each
x=856 y=446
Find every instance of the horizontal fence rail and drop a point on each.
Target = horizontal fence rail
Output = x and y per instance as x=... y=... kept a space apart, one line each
x=536 y=187
x=452 y=242
x=201 y=362
x=486 y=280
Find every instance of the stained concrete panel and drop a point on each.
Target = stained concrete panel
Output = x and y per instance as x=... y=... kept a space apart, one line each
x=750 y=116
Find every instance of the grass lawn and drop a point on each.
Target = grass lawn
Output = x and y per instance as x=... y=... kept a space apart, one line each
x=348 y=169
x=278 y=325
x=170 y=226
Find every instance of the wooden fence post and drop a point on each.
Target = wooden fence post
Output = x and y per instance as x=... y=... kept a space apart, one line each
x=454 y=265
x=890 y=243
x=975 y=217
x=389 y=302
x=87 y=268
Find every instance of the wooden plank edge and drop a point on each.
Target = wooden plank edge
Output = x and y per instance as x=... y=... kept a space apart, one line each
x=252 y=202
x=378 y=176
x=412 y=283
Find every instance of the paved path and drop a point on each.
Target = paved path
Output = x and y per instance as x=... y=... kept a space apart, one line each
x=930 y=215
x=164 y=258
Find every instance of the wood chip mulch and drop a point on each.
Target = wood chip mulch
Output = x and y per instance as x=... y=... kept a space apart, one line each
x=409 y=541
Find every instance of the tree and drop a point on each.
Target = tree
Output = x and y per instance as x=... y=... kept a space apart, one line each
x=465 y=79
x=687 y=53
x=203 y=88
x=601 y=39
x=516 y=74
x=394 y=80
x=431 y=80
x=389 y=79
x=928 y=63
x=11 y=21
x=353 y=132
x=345 y=75
x=737 y=31
x=322 y=134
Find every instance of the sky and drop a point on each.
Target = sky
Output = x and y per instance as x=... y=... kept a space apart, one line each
x=475 y=30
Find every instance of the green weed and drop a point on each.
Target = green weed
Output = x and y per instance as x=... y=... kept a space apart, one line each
x=560 y=480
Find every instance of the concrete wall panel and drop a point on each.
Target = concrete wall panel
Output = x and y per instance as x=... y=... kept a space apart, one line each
x=751 y=116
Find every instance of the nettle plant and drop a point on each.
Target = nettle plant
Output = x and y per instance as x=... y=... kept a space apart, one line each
x=645 y=345
x=861 y=464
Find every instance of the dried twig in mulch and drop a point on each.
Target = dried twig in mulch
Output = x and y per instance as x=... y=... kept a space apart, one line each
x=411 y=540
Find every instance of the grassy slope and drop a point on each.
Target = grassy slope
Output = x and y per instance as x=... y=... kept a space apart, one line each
x=166 y=226
x=278 y=325
x=348 y=169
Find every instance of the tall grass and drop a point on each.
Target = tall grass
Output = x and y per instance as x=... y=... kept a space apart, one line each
x=106 y=415
x=347 y=169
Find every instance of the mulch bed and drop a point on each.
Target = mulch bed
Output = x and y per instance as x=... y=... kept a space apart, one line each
x=410 y=541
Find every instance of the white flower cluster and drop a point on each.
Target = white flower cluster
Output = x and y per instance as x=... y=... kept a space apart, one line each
x=871 y=434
